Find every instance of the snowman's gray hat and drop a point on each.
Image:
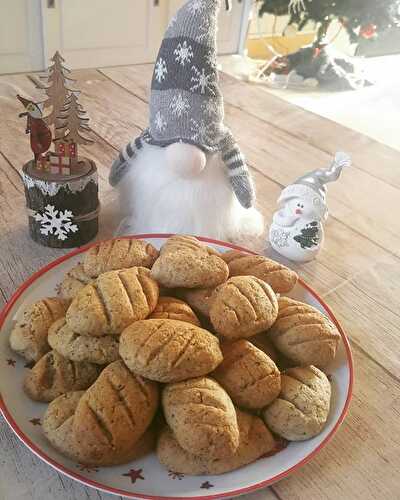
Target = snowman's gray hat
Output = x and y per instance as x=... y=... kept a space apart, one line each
x=317 y=179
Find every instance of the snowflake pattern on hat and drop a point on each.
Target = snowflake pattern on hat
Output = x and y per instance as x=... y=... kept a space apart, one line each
x=160 y=122
x=202 y=81
x=161 y=70
x=184 y=53
x=179 y=105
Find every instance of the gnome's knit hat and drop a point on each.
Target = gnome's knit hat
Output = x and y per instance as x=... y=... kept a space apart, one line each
x=186 y=103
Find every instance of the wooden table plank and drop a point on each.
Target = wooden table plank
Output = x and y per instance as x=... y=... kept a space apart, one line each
x=377 y=159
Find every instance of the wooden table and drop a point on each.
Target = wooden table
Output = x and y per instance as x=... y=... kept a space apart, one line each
x=358 y=273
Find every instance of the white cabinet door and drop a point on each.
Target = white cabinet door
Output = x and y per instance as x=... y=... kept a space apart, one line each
x=20 y=36
x=95 y=33
x=229 y=28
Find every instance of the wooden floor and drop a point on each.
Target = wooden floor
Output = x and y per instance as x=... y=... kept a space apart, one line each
x=358 y=273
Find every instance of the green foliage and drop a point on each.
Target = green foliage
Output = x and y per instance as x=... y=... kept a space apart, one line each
x=355 y=15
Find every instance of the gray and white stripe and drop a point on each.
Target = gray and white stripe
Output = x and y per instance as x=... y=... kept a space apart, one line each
x=121 y=163
x=238 y=172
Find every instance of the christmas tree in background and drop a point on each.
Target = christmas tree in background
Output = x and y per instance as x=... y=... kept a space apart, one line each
x=318 y=63
x=360 y=18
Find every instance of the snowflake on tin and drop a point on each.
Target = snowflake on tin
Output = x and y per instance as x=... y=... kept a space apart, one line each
x=280 y=238
x=160 y=122
x=203 y=81
x=179 y=105
x=161 y=70
x=202 y=131
x=184 y=53
x=56 y=222
x=196 y=6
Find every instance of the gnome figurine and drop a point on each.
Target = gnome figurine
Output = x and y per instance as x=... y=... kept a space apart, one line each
x=297 y=230
x=185 y=173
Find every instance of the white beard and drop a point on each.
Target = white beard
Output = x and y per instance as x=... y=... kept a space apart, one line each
x=157 y=199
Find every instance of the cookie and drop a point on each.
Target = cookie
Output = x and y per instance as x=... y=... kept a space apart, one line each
x=202 y=417
x=73 y=282
x=255 y=440
x=279 y=277
x=248 y=375
x=198 y=298
x=29 y=336
x=58 y=429
x=113 y=414
x=118 y=254
x=54 y=375
x=301 y=410
x=167 y=350
x=186 y=262
x=82 y=348
x=172 y=308
x=304 y=334
x=57 y=424
x=242 y=307
x=115 y=300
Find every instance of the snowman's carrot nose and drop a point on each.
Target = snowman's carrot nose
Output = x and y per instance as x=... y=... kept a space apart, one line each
x=298 y=211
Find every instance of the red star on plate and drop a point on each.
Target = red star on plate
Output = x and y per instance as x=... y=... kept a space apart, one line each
x=11 y=362
x=134 y=475
x=35 y=421
x=207 y=485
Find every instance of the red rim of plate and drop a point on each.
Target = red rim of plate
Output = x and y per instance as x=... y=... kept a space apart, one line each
x=108 y=489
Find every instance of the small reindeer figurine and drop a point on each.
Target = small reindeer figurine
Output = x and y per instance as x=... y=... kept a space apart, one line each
x=36 y=126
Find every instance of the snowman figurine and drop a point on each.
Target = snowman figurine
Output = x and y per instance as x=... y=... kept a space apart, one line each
x=297 y=230
x=185 y=173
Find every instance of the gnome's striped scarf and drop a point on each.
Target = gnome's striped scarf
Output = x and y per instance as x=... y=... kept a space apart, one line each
x=121 y=163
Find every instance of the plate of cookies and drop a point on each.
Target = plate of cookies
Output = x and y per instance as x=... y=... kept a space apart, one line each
x=169 y=366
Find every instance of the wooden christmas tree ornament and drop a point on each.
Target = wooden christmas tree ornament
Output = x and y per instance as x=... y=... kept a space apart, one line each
x=61 y=187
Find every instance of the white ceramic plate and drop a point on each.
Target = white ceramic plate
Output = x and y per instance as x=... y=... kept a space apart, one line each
x=146 y=478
